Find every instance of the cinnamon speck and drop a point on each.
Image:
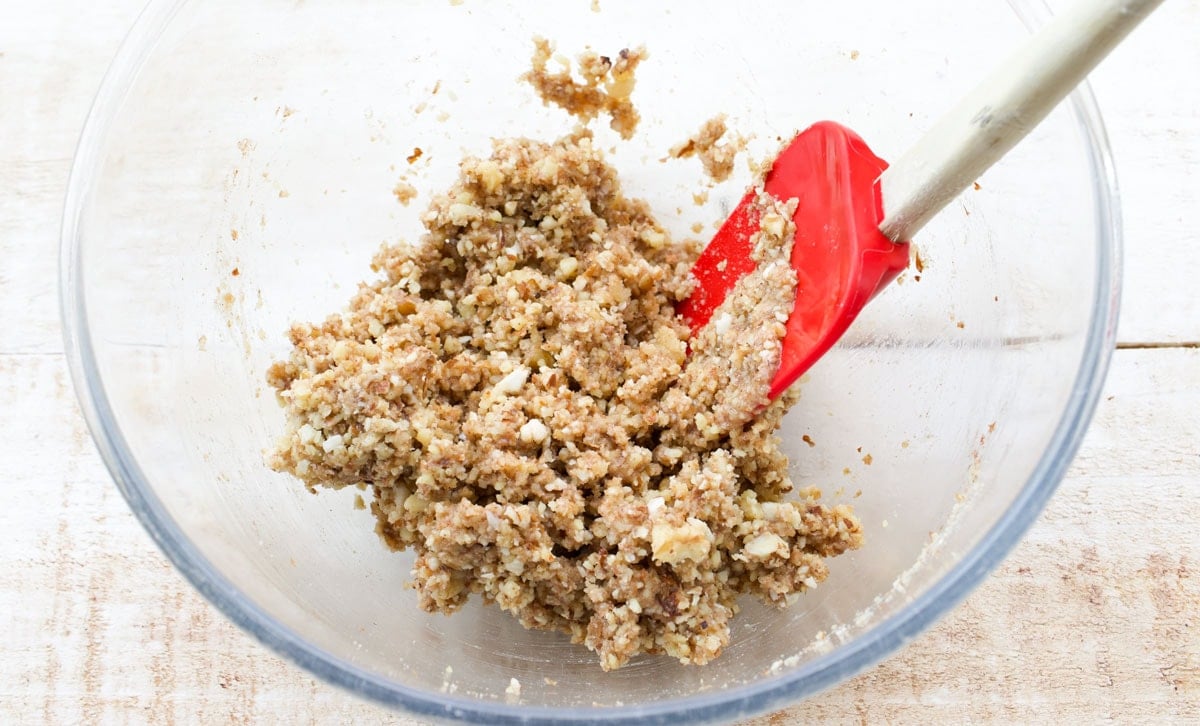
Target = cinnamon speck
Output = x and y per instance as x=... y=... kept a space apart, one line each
x=416 y=154
x=960 y=325
x=977 y=187
x=808 y=440
x=235 y=272
x=867 y=459
x=233 y=234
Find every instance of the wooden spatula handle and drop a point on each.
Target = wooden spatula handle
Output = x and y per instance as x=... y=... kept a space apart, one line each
x=1002 y=110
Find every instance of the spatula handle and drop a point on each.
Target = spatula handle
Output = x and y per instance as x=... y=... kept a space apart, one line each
x=1002 y=110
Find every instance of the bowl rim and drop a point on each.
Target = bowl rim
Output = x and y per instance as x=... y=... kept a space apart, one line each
x=743 y=701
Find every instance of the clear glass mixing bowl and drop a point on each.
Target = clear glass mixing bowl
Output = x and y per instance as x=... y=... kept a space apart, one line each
x=236 y=175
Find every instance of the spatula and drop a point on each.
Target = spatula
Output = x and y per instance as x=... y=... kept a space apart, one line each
x=856 y=213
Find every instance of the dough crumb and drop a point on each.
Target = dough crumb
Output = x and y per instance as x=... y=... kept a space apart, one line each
x=606 y=86
x=404 y=192
x=717 y=158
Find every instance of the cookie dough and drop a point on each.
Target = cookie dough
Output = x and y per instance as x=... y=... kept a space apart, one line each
x=531 y=419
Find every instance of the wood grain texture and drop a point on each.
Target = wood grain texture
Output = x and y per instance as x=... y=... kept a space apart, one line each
x=1151 y=107
x=1093 y=617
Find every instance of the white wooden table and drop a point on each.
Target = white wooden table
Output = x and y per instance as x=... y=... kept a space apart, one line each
x=1096 y=616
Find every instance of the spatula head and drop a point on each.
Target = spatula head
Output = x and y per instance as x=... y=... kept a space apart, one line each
x=840 y=257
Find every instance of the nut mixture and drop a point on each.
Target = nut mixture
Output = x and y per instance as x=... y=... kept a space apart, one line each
x=518 y=395
x=606 y=88
x=716 y=157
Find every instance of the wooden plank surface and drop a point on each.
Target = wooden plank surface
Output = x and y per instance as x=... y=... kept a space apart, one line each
x=1094 y=616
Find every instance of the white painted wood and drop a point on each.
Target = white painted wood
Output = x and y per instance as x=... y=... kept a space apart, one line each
x=1093 y=618
x=1148 y=94
x=1002 y=110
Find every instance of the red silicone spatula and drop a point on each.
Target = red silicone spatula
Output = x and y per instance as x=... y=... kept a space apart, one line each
x=855 y=213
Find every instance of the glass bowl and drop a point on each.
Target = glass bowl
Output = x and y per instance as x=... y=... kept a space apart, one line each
x=236 y=174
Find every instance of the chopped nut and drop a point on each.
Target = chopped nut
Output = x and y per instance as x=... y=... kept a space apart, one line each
x=461 y=214
x=513 y=692
x=654 y=238
x=567 y=267
x=765 y=545
x=674 y=544
x=534 y=431
x=513 y=382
